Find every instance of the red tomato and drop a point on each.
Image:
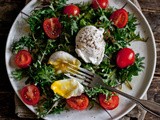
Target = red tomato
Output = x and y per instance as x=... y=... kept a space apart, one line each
x=52 y=27
x=71 y=10
x=30 y=94
x=99 y=4
x=109 y=103
x=120 y=18
x=79 y=102
x=23 y=59
x=125 y=57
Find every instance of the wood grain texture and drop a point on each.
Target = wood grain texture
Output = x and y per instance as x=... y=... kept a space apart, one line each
x=9 y=10
x=151 y=10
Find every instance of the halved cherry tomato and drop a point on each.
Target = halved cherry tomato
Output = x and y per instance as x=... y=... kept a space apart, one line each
x=52 y=27
x=30 y=94
x=23 y=59
x=109 y=103
x=99 y=4
x=79 y=102
x=120 y=18
x=125 y=57
x=71 y=10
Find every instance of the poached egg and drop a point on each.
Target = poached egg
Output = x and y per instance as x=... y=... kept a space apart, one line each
x=67 y=88
x=90 y=45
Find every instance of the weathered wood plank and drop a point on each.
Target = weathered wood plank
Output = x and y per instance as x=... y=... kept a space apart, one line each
x=154 y=21
x=151 y=10
x=150 y=5
x=10 y=10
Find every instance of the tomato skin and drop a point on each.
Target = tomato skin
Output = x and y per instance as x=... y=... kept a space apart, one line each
x=30 y=94
x=120 y=18
x=52 y=27
x=99 y=3
x=125 y=57
x=71 y=10
x=110 y=103
x=23 y=59
x=79 y=102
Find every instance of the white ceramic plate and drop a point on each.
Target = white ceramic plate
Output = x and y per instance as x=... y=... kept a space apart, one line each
x=140 y=84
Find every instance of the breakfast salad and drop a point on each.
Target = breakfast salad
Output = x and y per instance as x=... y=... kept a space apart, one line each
x=93 y=36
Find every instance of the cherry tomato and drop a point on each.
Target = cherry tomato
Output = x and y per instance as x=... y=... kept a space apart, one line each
x=71 y=10
x=30 y=94
x=99 y=4
x=23 y=59
x=120 y=18
x=79 y=102
x=109 y=103
x=125 y=57
x=52 y=27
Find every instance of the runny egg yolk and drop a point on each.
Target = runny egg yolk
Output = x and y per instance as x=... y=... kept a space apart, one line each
x=67 y=88
x=63 y=66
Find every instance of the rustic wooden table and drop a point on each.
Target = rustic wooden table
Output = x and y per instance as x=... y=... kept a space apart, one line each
x=9 y=10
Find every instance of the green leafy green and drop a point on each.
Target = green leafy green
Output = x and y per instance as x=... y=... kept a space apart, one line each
x=94 y=92
x=25 y=41
x=19 y=74
x=51 y=106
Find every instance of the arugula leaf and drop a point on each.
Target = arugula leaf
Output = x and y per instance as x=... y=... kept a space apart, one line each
x=24 y=42
x=93 y=92
x=19 y=74
x=51 y=106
